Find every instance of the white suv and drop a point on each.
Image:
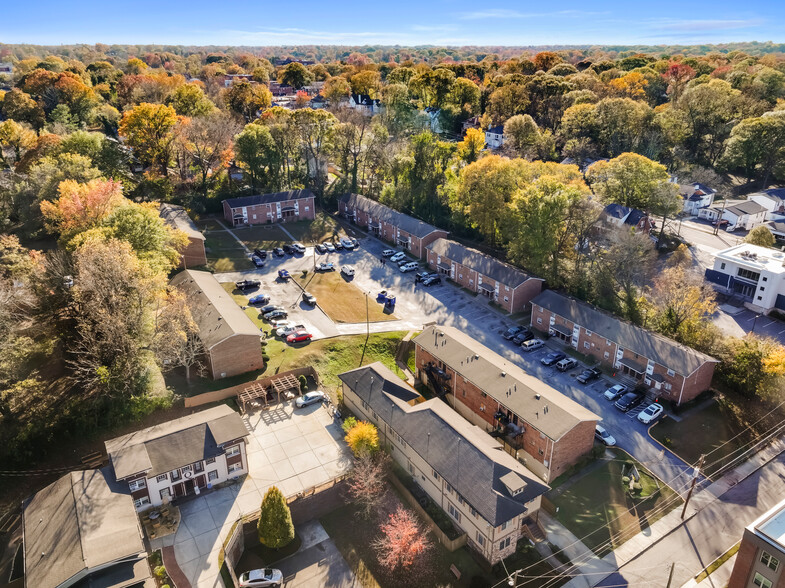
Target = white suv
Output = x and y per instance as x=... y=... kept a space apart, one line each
x=532 y=344
x=409 y=267
x=298 y=247
x=398 y=257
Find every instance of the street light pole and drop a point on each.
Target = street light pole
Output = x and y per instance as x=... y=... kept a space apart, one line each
x=754 y=321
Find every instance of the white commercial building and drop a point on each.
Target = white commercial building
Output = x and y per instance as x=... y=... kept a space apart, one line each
x=755 y=274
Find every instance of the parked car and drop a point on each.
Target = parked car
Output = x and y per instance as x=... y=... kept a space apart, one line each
x=329 y=246
x=281 y=322
x=309 y=298
x=278 y=252
x=651 y=413
x=338 y=245
x=298 y=248
x=355 y=242
x=320 y=248
x=264 y=578
x=388 y=252
x=396 y=257
x=259 y=299
x=269 y=308
x=604 y=436
x=629 y=401
x=409 y=267
x=309 y=398
x=615 y=392
x=523 y=336
x=288 y=249
x=257 y=261
x=532 y=344
x=275 y=314
x=588 y=375
x=431 y=280
x=347 y=270
x=283 y=274
x=552 y=358
x=247 y=284
x=299 y=337
x=512 y=331
x=348 y=244
x=286 y=330
x=420 y=276
x=261 y=253
x=566 y=364
x=325 y=267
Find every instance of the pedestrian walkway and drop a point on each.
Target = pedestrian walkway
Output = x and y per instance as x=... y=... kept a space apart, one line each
x=235 y=237
x=718 y=577
x=173 y=569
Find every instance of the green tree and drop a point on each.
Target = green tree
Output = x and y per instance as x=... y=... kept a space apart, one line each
x=190 y=100
x=628 y=265
x=758 y=146
x=523 y=132
x=19 y=106
x=629 y=179
x=296 y=75
x=275 y=525
x=247 y=99
x=149 y=130
x=316 y=131
x=761 y=236
x=336 y=89
x=254 y=150
x=432 y=86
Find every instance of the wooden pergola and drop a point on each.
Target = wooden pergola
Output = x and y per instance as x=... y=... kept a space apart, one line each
x=258 y=394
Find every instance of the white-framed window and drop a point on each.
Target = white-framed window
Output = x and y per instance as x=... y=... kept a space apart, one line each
x=761 y=580
x=668 y=386
x=233 y=450
x=234 y=467
x=606 y=355
x=144 y=501
x=254 y=217
x=608 y=342
x=174 y=475
x=768 y=560
x=586 y=344
x=411 y=467
x=480 y=539
x=166 y=493
x=471 y=282
x=588 y=332
x=454 y=512
x=504 y=543
x=506 y=298
x=671 y=373
x=506 y=288
x=212 y=475
x=539 y=320
x=162 y=478
x=307 y=208
x=137 y=484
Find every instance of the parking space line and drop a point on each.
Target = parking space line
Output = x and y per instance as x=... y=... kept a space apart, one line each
x=771 y=323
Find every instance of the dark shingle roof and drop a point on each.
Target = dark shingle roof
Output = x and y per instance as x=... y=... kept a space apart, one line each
x=664 y=351
x=776 y=226
x=775 y=193
x=634 y=217
x=746 y=207
x=403 y=221
x=617 y=211
x=469 y=459
x=480 y=262
x=177 y=217
x=268 y=198
x=496 y=130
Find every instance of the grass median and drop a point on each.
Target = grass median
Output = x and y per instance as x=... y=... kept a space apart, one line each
x=340 y=299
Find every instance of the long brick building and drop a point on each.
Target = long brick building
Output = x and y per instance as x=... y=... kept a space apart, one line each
x=538 y=425
x=508 y=286
x=177 y=218
x=666 y=368
x=261 y=209
x=390 y=225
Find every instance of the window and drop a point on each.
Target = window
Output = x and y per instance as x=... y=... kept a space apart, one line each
x=212 y=475
x=166 y=494
x=748 y=275
x=668 y=386
x=588 y=332
x=608 y=342
x=144 y=501
x=507 y=298
x=764 y=279
x=450 y=489
x=541 y=452
x=233 y=450
x=137 y=485
x=254 y=217
x=198 y=467
x=307 y=208
x=435 y=474
x=762 y=289
x=586 y=344
x=539 y=320
x=411 y=468
x=760 y=580
x=209 y=460
x=760 y=297
x=606 y=355
x=474 y=512
x=234 y=467
x=480 y=539
x=454 y=513
x=174 y=475
x=504 y=525
x=722 y=265
x=504 y=543
x=768 y=560
x=162 y=478
x=506 y=288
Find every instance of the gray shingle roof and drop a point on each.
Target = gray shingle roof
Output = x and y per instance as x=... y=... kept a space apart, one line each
x=480 y=262
x=176 y=216
x=552 y=413
x=746 y=207
x=268 y=198
x=215 y=312
x=469 y=459
x=666 y=352
x=80 y=522
x=403 y=221
x=173 y=444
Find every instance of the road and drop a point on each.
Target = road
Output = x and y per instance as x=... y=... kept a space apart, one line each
x=707 y=535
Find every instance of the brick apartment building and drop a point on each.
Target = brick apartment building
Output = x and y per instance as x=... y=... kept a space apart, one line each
x=508 y=286
x=177 y=218
x=180 y=457
x=290 y=206
x=667 y=369
x=488 y=494
x=231 y=340
x=538 y=425
x=761 y=557
x=390 y=225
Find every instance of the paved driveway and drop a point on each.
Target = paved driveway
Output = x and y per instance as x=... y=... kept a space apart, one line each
x=288 y=448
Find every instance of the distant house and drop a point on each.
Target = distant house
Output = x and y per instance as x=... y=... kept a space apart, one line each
x=746 y=214
x=471 y=123
x=278 y=89
x=262 y=209
x=754 y=274
x=696 y=196
x=318 y=102
x=510 y=287
x=177 y=217
x=231 y=340
x=82 y=530
x=390 y=225
x=180 y=458
x=6 y=68
x=365 y=104
x=773 y=200
x=777 y=229
x=487 y=493
x=666 y=369
x=494 y=137
x=622 y=216
x=434 y=119
x=230 y=79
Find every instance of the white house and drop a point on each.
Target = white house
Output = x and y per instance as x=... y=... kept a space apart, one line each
x=434 y=119
x=180 y=457
x=755 y=274
x=696 y=196
x=494 y=137
x=773 y=200
x=746 y=214
x=777 y=229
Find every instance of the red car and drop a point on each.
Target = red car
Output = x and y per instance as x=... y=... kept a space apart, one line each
x=298 y=337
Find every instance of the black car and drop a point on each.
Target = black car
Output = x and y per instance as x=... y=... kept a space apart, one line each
x=337 y=244
x=320 y=248
x=247 y=284
x=629 y=401
x=288 y=249
x=261 y=253
x=431 y=280
x=552 y=358
x=257 y=261
x=420 y=276
x=588 y=375
x=278 y=252
x=523 y=336
x=269 y=308
x=512 y=331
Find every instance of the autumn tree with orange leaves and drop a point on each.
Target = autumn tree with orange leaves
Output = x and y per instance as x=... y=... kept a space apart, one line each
x=81 y=206
x=403 y=541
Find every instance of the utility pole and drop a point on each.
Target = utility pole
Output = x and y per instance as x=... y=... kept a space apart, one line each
x=695 y=474
x=670 y=576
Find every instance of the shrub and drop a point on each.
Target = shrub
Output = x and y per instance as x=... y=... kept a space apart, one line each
x=160 y=572
x=303 y=383
x=625 y=480
x=349 y=423
x=363 y=438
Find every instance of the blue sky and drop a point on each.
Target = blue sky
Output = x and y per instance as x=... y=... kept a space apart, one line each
x=401 y=22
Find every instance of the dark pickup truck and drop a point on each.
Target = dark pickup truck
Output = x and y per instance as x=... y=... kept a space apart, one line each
x=247 y=284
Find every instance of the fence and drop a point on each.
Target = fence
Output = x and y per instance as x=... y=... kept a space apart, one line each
x=441 y=537
x=232 y=550
x=218 y=395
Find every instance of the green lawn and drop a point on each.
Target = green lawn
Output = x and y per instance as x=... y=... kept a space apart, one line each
x=321 y=228
x=262 y=236
x=224 y=253
x=596 y=507
x=341 y=300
